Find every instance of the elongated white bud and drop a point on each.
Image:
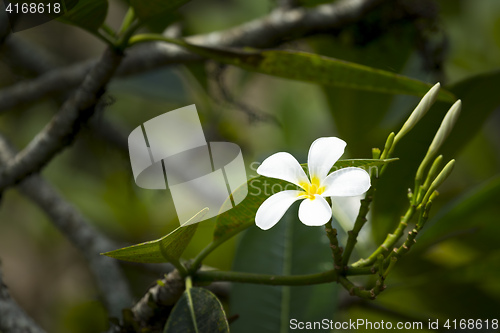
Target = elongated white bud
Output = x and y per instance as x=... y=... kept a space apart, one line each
x=423 y=106
x=444 y=130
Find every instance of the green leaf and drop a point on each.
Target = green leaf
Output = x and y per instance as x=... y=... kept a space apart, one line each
x=288 y=248
x=260 y=188
x=318 y=69
x=480 y=98
x=87 y=14
x=202 y=306
x=357 y=114
x=166 y=249
x=146 y=10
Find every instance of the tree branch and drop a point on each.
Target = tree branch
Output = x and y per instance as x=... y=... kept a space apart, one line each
x=64 y=126
x=13 y=319
x=263 y=32
x=80 y=233
x=151 y=311
x=151 y=308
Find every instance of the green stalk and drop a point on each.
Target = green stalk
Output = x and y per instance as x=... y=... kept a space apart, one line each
x=353 y=289
x=433 y=172
x=280 y=280
x=412 y=235
x=127 y=21
x=389 y=242
x=365 y=204
x=124 y=41
x=448 y=168
x=442 y=133
x=352 y=237
x=143 y=38
x=207 y=250
x=273 y=280
x=334 y=246
x=179 y=266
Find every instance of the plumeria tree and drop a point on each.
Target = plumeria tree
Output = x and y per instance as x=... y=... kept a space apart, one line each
x=314 y=189
x=321 y=238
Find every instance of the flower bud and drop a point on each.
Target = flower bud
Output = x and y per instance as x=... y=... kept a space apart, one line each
x=446 y=126
x=444 y=130
x=439 y=180
x=423 y=106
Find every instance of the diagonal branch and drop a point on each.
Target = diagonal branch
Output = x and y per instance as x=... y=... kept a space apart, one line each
x=13 y=319
x=267 y=31
x=80 y=233
x=64 y=126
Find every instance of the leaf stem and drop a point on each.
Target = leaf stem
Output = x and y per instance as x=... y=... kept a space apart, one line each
x=143 y=38
x=206 y=251
x=127 y=21
x=189 y=285
x=189 y=282
x=180 y=267
x=124 y=41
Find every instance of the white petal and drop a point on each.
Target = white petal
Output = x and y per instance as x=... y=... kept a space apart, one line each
x=323 y=154
x=273 y=209
x=283 y=166
x=346 y=182
x=315 y=212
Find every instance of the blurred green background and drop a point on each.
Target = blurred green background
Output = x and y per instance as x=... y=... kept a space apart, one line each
x=452 y=272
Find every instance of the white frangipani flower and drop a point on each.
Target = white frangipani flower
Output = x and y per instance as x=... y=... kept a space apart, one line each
x=314 y=209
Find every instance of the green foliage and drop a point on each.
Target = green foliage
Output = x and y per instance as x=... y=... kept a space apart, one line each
x=197 y=311
x=87 y=14
x=289 y=248
x=260 y=188
x=479 y=100
x=455 y=252
x=357 y=113
x=313 y=68
x=166 y=249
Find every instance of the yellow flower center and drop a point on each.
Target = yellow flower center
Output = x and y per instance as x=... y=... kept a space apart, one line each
x=311 y=189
